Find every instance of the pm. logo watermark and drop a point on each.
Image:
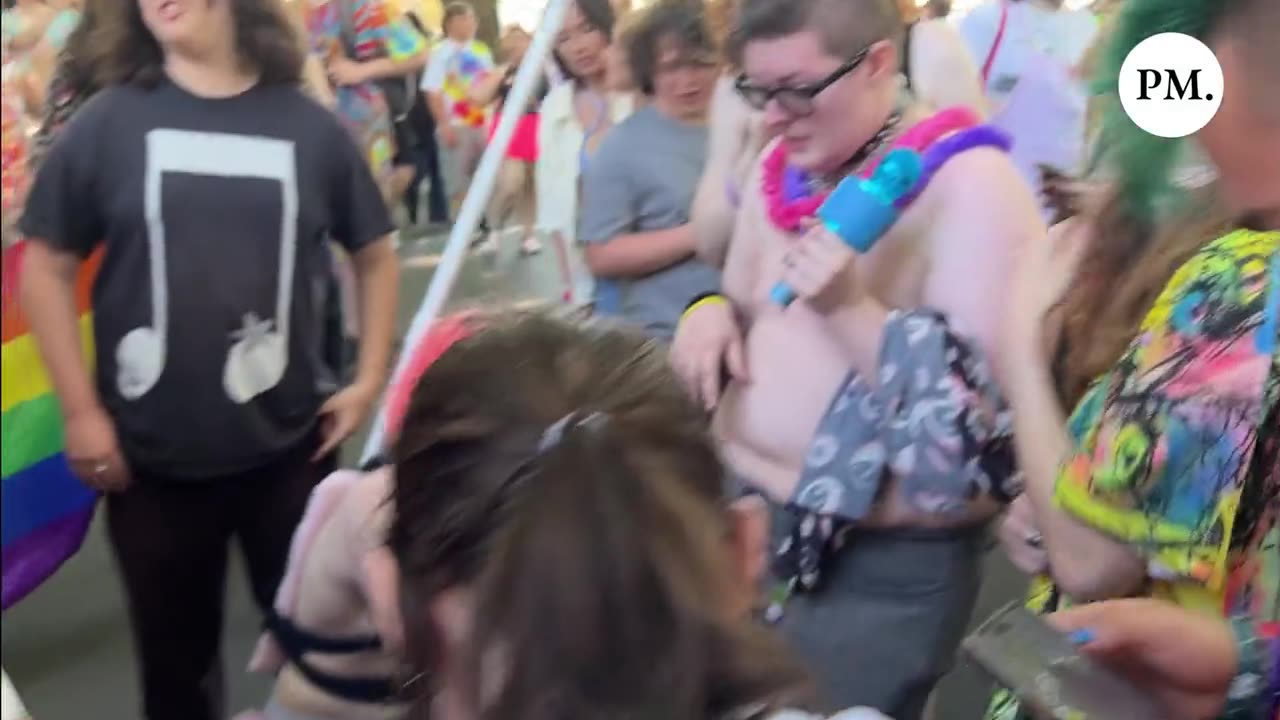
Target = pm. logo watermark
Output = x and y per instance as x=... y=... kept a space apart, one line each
x=1171 y=85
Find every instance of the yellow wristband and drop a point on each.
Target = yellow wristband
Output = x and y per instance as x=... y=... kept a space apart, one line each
x=708 y=300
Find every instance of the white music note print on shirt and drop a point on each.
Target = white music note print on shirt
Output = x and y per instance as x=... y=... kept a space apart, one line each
x=257 y=360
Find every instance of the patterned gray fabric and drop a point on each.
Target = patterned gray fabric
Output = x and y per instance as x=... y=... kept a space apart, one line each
x=934 y=421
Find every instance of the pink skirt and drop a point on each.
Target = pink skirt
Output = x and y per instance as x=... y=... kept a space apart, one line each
x=524 y=143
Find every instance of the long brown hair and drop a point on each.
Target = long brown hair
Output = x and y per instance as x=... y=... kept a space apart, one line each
x=124 y=50
x=81 y=74
x=1126 y=266
x=559 y=472
x=1148 y=227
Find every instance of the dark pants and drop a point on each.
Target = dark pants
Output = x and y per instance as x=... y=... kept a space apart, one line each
x=171 y=539
x=886 y=624
x=425 y=157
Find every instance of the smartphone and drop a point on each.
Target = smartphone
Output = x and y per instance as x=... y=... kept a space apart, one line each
x=1050 y=676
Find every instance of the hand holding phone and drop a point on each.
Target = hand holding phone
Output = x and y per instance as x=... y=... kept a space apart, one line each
x=1049 y=674
x=1188 y=659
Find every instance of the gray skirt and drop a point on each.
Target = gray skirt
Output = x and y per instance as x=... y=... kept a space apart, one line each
x=885 y=625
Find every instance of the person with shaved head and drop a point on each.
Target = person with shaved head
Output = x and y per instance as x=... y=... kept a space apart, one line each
x=879 y=523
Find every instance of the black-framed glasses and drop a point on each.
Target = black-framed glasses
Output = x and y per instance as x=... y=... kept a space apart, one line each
x=795 y=99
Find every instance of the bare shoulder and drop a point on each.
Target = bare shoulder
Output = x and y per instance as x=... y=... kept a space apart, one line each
x=979 y=206
x=984 y=181
x=749 y=228
x=729 y=118
x=751 y=212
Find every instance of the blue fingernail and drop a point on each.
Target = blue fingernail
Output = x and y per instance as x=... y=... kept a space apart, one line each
x=1081 y=637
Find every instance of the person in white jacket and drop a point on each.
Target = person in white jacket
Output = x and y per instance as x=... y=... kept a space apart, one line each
x=574 y=118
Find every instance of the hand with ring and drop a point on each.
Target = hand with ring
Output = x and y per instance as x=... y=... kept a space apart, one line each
x=93 y=451
x=1021 y=539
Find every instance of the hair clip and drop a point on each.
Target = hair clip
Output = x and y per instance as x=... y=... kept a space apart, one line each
x=552 y=436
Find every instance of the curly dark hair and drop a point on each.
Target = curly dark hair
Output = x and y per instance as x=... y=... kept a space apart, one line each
x=683 y=21
x=124 y=51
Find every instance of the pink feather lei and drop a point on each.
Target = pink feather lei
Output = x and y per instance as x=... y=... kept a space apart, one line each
x=787 y=215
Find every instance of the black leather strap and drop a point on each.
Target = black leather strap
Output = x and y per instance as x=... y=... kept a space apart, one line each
x=296 y=642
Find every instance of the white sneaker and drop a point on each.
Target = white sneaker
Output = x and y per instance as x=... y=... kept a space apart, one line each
x=487 y=246
x=530 y=245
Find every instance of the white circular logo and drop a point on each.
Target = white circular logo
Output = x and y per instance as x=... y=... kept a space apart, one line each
x=1171 y=85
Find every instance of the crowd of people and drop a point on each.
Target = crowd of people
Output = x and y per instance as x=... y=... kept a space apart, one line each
x=755 y=472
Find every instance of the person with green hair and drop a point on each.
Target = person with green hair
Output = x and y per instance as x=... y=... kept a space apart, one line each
x=1155 y=314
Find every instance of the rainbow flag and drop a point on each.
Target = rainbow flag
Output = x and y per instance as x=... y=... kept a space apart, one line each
x=44 y=510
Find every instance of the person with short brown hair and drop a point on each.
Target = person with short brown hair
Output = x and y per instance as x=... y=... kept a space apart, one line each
x=878 y=556
x=639 y=190
x=457 y=63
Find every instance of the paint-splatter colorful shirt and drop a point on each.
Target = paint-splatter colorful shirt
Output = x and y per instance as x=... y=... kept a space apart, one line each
x=1177 y=449
x=363 y=30
x=452 y=71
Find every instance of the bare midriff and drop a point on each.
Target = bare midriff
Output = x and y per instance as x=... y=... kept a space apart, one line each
x=796 y=366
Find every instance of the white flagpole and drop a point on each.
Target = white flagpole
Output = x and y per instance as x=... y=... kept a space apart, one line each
x=527 y=78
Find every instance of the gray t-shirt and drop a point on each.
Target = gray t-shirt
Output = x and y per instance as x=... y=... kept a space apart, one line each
x=643 y=179
x=215 y=217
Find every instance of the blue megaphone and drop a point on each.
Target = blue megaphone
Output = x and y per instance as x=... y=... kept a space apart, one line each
x=860 y=210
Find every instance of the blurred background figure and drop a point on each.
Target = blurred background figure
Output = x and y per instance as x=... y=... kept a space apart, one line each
x=936 y=10
x=457 y=63
x=368 y=55
x=1031 y=55
x=425 y=152
x=14 y=155
x=574 y=119
x=638 y=192
x=937 y=68
x=513 y=193
x=35 y=31
x=1007 y=37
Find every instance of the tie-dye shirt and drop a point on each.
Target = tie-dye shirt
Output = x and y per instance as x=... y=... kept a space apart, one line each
x=1177 y=449
x=13 y=166
x=452 y=71
x=373 y=34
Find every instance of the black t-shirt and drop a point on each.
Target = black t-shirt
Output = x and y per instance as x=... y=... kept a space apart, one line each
x=208 y=308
